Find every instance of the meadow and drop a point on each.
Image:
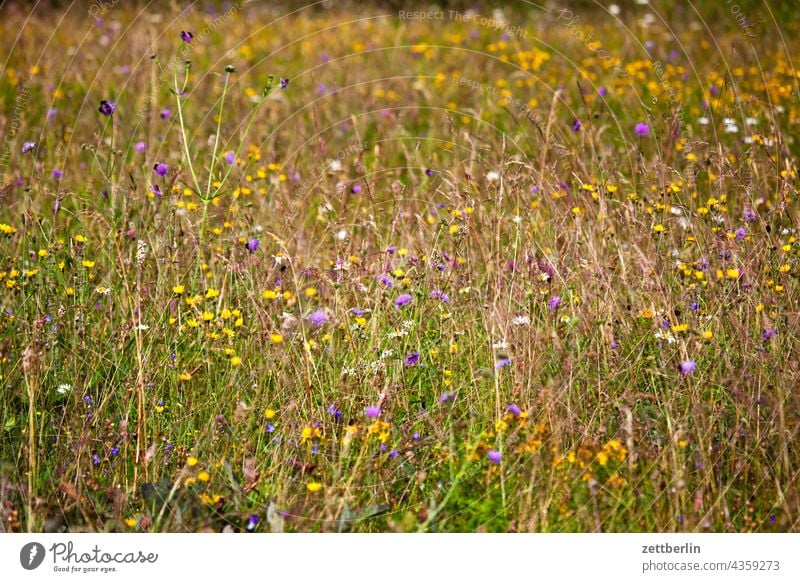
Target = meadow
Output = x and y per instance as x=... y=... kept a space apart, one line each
x=349 y=268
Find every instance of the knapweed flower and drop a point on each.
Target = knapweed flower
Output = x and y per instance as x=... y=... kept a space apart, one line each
x=386 y=281
x=412 y=359
x=140 y=147
x=502 y=363
x=576 y=126
x=334 y=411
x=186 y=36
x=440 y=295
x=372 y=411
x=642 y=129
x=165 y=113
x=554 y=302
x=28 y=146
x=230 y=158
x=252 y=245
x=740 y=233
x=768 y=334
x=514 y=410
x=284 y=83
x=402 y=300
x=602 y=91
x=107 y=107
x=57 y=174
x=318 y=318
x=494 y=457
x=356 y=189
x=161 y=168
x=447 y=397
x=687 y=367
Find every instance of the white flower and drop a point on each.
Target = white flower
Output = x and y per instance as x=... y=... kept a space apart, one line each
x=521 y=320
x=613 y=9
x=335 y=165
x=703 y=121
x=492 y=176
x=64 y=388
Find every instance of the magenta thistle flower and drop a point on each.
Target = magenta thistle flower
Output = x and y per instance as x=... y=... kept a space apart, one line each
x=186 y=36
x=642 y=129
x=107 y=107
x=318 y=318
x=402 y=300
x=687 y=367
x=161 y=169
x=230 y=158
x=494 y=457
x=372 y=411
x=140 y=147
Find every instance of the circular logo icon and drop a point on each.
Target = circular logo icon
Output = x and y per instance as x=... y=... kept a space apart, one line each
x=31 y=555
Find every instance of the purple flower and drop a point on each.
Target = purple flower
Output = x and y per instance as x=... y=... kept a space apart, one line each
x=230 y=158
x=318 y=318
x=440 y=295
x=156 y=190
x=642 y=129
x=687 y=367
x=393 y=454
x=502 y=363
x=415 y=436
x=161 y=169
x=114 y=451
x=576 y=126
x=334 y=411
x=28 y=146
x=57 y=174
x=140 y=147
x=284 y=83
x=554 y=302
x=429 y=173
x=412 y=359
x=186 y=36
x=768 y=334
x=252 y=523
x=107 y=108
x=51 y=113
x=514 y=409
x=402 y=300
x=749 y=214
x=372 y=411
x=165 y=113
x=494 y=457
x=740 y=233
x=390 y=250
x=270 y=428
x=95 y=459
x=252 y=245
x=356 y=189
x=447 y=397
x=357 y=311
x=602 y=91
x=386 y=281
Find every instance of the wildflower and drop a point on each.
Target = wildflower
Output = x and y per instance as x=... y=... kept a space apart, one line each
x=186 y=36
x=313 y=487
x=494 y=457
x=372 y=411
x=576 y=126
x=165 y=113
x=235 y=361
x=447 y=397
x=554 y=302
x=230 y=158
x=502 y=363
x=440 y=295
x=334 y=411
x=161 y=168
x=191 y=461
x=386 y=281
x=429 y=173
x=284 y=83
x=178 y=289
x=687 y=367
x=107 y=107
x=740 y=233
x=252 y=523
x=642 y=129
x=57 y=174
x=514 y=409
x=402 y=300
x=412 y=359
x=276 y=338
x=768 y=334
x=140 y=147
x=252 y=245
x=521 y=320
x=356 y=189
x=64 y=388
x=318 y=318
x=28 y=146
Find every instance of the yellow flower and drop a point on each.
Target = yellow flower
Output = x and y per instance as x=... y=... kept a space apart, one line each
x=269 y=413
x=203 y=476
x=276 y=338
x=659 y=229
x=310 y=292
x=313 y=487
x=88 y=264
x=7 y=229
x=269 y=294
x=236 y=360
x=178 y=289
x=732 y=273
x=130 y=522
x=191 y=461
